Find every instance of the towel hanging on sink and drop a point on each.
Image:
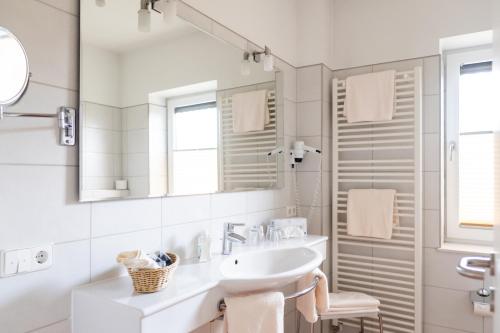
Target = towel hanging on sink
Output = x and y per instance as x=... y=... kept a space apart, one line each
x=259 y=313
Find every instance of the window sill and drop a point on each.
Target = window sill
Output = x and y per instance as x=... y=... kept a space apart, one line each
x=466 y=248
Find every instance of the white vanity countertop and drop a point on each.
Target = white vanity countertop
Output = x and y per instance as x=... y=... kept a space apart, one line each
x=190 y=279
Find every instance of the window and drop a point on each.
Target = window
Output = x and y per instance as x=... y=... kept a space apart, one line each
x=471 y=138
x=193 y=141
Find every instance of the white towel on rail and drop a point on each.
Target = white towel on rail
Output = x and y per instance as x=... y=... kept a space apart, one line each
x=370 y=97
x=371 y=212
x=347 y=300
x=259 y=313
x=351 y=303
x=250 y=111
x=315 y=301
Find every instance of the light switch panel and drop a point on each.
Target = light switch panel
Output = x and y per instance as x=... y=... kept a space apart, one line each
x=14 y=262
x=8 y=263
x=24 y=258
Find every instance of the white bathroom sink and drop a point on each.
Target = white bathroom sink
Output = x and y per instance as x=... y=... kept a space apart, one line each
x=267 y=269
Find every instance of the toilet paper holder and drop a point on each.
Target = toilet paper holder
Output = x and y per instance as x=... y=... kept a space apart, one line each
x=484 y=296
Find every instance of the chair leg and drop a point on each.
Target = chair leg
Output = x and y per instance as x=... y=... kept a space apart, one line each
x=362 y=325
x=297 y=321
x=380 y=323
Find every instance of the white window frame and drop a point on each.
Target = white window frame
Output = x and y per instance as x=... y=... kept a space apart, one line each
x=172 y=104
x=453 y=231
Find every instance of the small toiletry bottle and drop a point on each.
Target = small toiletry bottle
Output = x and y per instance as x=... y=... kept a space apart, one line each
x=203 y=247
x=208 y=245
x=200 y=245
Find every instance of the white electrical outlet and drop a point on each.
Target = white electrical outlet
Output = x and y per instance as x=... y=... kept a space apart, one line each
x=14 y=262
x=41 y=257
x=291 y=211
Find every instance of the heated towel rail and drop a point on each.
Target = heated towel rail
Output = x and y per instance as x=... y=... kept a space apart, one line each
x=382 y=154
x=244 y=159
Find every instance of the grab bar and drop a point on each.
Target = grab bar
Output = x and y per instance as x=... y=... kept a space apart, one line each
x=222 y=304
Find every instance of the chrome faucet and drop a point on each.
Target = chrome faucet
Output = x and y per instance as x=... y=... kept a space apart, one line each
x=230 y=237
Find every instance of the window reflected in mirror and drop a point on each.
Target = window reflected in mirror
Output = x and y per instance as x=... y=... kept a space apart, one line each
x=194 y=152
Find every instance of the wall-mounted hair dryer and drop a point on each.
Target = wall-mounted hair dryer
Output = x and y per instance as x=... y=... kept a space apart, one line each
x=298 y=152
x=276 y=151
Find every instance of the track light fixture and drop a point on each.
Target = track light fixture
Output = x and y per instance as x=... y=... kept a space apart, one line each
x=167 y=8
x=144 y=17
x=265 y=56
x=245 y=64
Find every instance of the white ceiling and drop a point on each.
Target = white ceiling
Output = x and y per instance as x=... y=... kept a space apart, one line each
x=114 y=26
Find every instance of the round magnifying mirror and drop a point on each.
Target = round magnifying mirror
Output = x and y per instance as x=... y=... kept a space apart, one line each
x=14 y=68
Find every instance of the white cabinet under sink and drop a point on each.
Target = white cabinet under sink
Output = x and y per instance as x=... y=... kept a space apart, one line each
x=189 y=301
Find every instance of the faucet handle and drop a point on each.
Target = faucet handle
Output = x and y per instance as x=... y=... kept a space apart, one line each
x=230 y=226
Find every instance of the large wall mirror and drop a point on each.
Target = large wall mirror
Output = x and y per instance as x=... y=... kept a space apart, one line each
x=168 y=109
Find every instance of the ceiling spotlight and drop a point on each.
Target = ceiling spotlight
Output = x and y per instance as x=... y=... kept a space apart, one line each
x=169 y=10
x=100 y=3
x=245 y=64
x=144 y=19
x=268 y=60
x=144 y=13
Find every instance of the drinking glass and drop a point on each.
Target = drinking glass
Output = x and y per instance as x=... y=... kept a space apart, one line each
x=261 y=233
x=253 y=236
x=273 y=234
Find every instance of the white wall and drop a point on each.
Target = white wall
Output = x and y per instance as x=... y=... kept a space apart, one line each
x=100 y=81
x=314 y=32
x=39 y=185
x=370 y=32
x=314 y=174
x=272 y=23
x=101 y=145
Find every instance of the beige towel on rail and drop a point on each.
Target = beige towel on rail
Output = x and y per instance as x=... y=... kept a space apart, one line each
x=259 y=313
x=250 y=111
x=352 y=300
x=350 y=303
x=370 y=97
x=371 y=213
x=317 y=301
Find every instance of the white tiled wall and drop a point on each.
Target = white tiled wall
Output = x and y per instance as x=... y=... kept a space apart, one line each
x=39 y=185
x=103 y=145
x=314 y=173
x=447 y=308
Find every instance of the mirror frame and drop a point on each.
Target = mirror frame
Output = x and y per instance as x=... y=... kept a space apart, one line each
x=24 y=87
x=204 y=24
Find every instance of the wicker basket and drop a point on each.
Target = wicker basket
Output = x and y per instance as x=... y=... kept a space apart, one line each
x=150 y=280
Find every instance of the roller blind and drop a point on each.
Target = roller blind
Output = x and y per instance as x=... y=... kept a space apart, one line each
x=477 y=144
